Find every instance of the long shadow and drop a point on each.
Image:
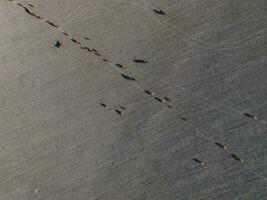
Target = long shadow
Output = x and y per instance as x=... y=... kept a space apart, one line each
x=219 y=145
x=123 y=108
x=198 y=161
x=30 y=12
x=87 y=48
x=167 y=99
x=158 y=99
x=120 y=112
x=129 y=78
x=159 y=12
x=94 y=50
x=75 y=41
x=103 y=105
x=20 y=5
x=236 y=157
x=169 y=106
x=119 y=65
x=52 y=24
x=117 y=111
x=140 y=61
x=150 y=92
x=250 y=116
x=183 y=118
x=107 y=108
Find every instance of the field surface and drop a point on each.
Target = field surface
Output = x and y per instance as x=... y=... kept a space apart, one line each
x=133 y=100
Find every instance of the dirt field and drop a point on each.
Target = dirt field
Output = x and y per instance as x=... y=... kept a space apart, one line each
x=133 y=100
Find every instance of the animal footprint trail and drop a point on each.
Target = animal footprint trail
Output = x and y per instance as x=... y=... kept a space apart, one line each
x=160 y=12
x=247 y=115
x=123 y=66
x=224 y=147
x=237 y=158
x=166 y=101
x=231 y=108
x=96 y=52
x=127 y=77
x=56 y=26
